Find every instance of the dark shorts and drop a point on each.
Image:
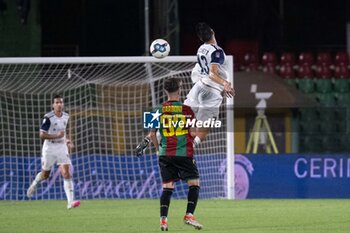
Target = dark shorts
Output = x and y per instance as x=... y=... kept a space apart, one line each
x=177 y=168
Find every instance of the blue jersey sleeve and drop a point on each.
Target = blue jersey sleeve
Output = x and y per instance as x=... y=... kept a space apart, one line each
x=45 y=125
x=218 y=57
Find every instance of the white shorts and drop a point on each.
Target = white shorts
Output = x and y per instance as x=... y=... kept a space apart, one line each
x=54 y=153
x=204 y=101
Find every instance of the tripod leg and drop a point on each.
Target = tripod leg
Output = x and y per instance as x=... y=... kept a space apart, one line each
x=268 y=148
x=249 y=145
x=251 y=137
x=257 y=134
x=270 y=136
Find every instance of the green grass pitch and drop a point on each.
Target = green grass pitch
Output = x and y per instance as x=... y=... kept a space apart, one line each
x=100 y=216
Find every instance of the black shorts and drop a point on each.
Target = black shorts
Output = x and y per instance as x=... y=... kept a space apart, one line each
x=177 y=168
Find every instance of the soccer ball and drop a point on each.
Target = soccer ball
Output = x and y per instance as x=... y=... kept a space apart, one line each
x=159 y=48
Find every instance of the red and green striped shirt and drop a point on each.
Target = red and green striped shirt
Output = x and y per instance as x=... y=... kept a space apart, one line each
x=176 y=139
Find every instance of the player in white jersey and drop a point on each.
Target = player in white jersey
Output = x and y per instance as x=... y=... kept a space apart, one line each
x=55 y=150
x=210 y=78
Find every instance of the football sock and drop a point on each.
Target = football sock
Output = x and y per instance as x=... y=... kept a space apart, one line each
x=37 y=179
x=192 y=198
x=197 y=141
x=165 y=201
x=68 y=189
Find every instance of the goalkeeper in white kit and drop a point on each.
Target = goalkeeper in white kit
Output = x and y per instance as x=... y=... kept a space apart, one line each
x=55 y=150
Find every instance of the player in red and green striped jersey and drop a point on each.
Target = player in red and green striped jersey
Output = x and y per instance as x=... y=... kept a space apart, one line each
x=176 y=139
x=175 y=151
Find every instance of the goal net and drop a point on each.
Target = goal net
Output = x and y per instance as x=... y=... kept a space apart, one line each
x=106 y=99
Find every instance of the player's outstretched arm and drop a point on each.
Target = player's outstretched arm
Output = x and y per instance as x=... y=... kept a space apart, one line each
x=153 y=137
x=214 y=75
x=141 y=147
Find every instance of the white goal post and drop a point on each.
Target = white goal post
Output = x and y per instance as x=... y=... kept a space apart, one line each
x=106 y=98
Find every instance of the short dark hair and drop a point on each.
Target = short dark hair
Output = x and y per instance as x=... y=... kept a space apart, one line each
x=204 y=32
x=56 y=97
x=172 y=84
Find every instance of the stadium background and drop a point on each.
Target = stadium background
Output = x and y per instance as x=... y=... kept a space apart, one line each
x=299 y=50
x=301 y=47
